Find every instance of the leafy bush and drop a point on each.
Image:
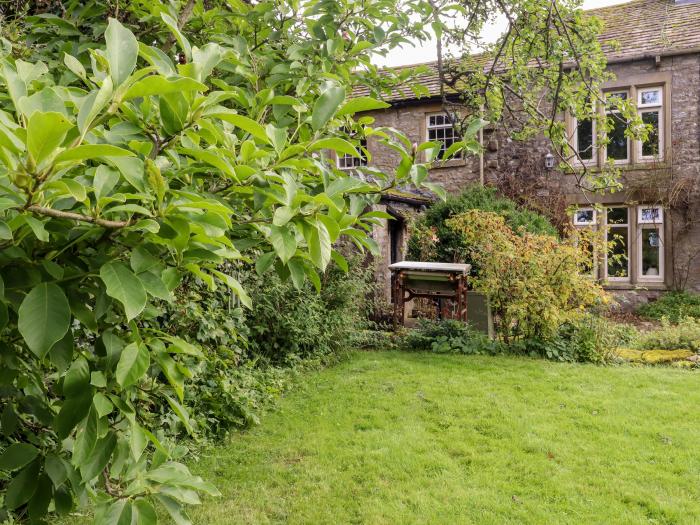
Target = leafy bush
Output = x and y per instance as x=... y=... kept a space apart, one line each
x=534 y=282
x=589 y=338
x=252 y=355
x=432 y=239
x=448 y=336
x=682 y=336
x=287 y=323
x=673 y=306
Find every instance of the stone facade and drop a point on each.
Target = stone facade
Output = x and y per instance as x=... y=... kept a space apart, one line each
x=672 y=182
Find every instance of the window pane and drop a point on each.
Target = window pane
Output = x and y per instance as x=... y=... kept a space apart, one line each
x=617 y=147
x=651 y=251
x=651 y=145
x=618 y=252
x=617 y=215
x=584 y=137
x=652 y=214
x=651 y=97
x=584 y=216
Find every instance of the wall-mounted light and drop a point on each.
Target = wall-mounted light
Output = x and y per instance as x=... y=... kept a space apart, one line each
x=549 y=161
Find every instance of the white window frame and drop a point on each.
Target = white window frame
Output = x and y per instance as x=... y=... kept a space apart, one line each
x=345 y=158
x=651 y=108
x=650 y=225
x=607 y=227
x=640 y=275
x=459 y=155
x=580 y=223
x=610 y=112
x=641 y=220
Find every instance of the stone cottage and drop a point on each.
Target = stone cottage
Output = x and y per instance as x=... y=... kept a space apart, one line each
x=656 y=216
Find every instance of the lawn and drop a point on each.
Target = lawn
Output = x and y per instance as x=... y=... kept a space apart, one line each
x=397 y=438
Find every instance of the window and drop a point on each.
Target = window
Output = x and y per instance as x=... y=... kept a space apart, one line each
x=617 y=239
x=584 y=217
x=441 y=129
x=650 y=104
x=650 y=252
x=618 y=147
x=350 y=162
x=583 y=139
x=634 y=239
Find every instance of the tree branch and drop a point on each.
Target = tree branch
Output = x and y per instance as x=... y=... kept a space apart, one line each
x=59 y=214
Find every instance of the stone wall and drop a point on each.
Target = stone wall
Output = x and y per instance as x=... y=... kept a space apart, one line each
x=678 y=174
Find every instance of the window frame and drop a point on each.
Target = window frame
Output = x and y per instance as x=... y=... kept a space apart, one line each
x=427 y=127
x=594 y=148
x=363 y=158
x=607 y=226
x=612 y=93
x=660 y=276
x=593 y=222
x=651 y=108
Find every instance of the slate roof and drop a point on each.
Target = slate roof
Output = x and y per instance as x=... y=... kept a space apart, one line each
x=630 y=30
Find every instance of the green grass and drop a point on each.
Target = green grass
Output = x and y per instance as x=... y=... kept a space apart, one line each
x=396 y=438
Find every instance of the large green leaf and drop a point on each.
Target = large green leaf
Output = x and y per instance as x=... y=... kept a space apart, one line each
x=158 y=85
x=44 y=317
x=359 y=104
x=99 y=457
x=243 y=122
x=45 y=133
x=22 y=487
x=283 y=241
x=326 y=106
x=124 y=286
x=92 y=151
x=72 y=412
x=122 y=51
x=17 y=455
x=181 y=39
x=319 y=245
x=337 y=144
x=133 y=363
x=77 y=378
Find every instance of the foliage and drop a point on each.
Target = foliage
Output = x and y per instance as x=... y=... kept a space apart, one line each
x=547 y=62
x=122 y=174
x=432 y=239
x=673 y=306
x=287 y=323
x=534 y=282
x=683 y=335
x=448 y=336
x=586 y=339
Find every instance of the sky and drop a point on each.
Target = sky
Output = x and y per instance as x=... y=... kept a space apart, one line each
x=426 y=51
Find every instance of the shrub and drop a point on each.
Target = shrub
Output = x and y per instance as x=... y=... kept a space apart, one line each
x=533 y=281
x=252 y=355
x=589 y=338
x=287 y=323
x=682 y=336
x=448 y=337
x=432 y=240
x=674 y=306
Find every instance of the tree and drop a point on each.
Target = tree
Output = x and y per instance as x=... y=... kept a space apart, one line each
x=547 y=62
x=128 y=162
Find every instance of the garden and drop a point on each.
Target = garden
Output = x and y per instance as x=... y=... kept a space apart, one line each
x=190 y=327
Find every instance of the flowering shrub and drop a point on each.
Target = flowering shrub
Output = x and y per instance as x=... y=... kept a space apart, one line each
x=433 y=240
x=534 y=282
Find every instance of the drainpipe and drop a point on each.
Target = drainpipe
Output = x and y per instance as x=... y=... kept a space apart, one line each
x=481 y=148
